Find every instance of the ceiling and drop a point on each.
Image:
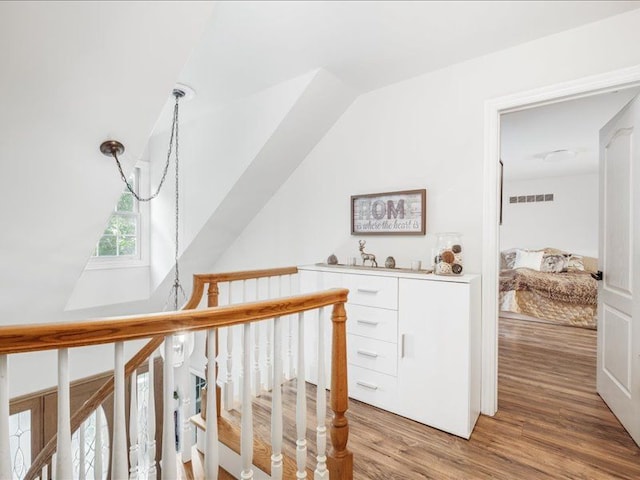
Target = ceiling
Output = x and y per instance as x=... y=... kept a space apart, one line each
x=252 y=45
x=528 y=136
x=77 y=73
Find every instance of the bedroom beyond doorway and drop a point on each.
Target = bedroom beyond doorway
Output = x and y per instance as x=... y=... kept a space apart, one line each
x=556 y=193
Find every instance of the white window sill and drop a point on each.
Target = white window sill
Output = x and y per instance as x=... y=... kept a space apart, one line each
x=107 y=264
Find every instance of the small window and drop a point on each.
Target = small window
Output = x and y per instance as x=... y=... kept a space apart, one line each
x=121 y=237
x=199 y=383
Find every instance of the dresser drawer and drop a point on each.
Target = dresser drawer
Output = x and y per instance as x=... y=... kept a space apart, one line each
x=372 y=291
x=377 y=323
x=374 y=388
x=372 y=354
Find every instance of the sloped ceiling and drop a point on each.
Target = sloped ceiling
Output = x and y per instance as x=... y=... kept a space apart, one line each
x=76 y=73
x=252 y=45
x=235 y=161
x=73 y=75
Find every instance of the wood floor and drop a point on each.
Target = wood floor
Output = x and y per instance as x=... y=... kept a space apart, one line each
x=550 y=425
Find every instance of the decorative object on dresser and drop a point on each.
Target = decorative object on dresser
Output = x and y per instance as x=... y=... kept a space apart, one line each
x=413 y=342
x=392 y=213
x=448 y=254
x=390 y=262
x=366 y=256
x=332 y=260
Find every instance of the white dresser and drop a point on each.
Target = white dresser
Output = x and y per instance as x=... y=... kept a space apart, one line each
x=413 y=342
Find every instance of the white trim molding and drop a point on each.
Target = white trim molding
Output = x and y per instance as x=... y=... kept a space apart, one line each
x=583 y=87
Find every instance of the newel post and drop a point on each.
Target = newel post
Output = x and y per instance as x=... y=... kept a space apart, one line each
x=340 y=460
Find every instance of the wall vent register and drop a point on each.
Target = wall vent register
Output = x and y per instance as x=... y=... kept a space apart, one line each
x=539 y=197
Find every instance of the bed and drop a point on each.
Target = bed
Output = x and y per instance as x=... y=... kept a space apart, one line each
x=549 y=285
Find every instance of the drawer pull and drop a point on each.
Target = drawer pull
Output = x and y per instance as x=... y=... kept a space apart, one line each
x=370 y=386
x=367 y=322
x=368 y=290
x=367 y=353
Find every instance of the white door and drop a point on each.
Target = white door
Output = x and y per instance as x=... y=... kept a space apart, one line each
x=618 y=376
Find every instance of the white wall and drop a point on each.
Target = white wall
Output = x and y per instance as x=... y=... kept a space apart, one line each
x=215 y=150
x=569 y=222
x=424 y=132
x=234 y=160
x=110 y=286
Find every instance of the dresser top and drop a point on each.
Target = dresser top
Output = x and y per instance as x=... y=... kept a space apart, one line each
x=390 y=272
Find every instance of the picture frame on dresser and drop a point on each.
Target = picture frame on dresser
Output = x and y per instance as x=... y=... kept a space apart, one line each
x=390 y=213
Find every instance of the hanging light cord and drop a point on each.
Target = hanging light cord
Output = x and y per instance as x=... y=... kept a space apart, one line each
x=177 y=289
x=174 y=132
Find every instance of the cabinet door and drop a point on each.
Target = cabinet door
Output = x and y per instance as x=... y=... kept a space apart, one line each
x=433 y=364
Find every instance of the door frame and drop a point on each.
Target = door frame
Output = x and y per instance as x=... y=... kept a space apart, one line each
x=494 y=108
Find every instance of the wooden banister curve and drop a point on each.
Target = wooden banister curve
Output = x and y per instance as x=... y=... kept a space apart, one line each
x=199 y=282
x=20 y=339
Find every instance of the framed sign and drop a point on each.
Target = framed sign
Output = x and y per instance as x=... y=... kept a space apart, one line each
x=392 y=213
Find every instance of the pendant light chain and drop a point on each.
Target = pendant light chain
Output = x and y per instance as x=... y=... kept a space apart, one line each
x=113 y=148
x=174 y=132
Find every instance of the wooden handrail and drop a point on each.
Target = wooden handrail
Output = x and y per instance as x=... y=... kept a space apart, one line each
x=199 y=282
x=244 y=275
x=20 y=339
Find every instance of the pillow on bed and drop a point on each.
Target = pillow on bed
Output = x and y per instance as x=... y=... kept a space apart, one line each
x=555 y=251
x=576 y=263
x=508 y=259
x=554 y=263
x=528 y=259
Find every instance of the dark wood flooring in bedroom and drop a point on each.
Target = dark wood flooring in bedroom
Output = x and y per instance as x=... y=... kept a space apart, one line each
x=550 y=425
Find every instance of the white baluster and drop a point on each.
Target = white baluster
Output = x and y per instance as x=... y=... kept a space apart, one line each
x=82 y=453
x=64 y=464
x=246 y=434
x=119 y=463
x=276 y=403
x=152 y=472
x=97 y=460
x=5 y=451
x=269 y=374
x=169 y=461
x=301 y=406
x=45 y=472
x=211 y=439
x=291 y=371
x=321 y=472
x=227 y=388
x=54 y=458
x=133 y=428
x=186 y=433
x=257 y=381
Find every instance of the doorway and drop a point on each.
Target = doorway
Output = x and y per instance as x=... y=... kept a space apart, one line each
x=549 y=249
x=584 y=87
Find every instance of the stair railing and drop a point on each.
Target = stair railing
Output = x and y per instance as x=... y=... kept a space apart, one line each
x=44 y=458
x=159 y=327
